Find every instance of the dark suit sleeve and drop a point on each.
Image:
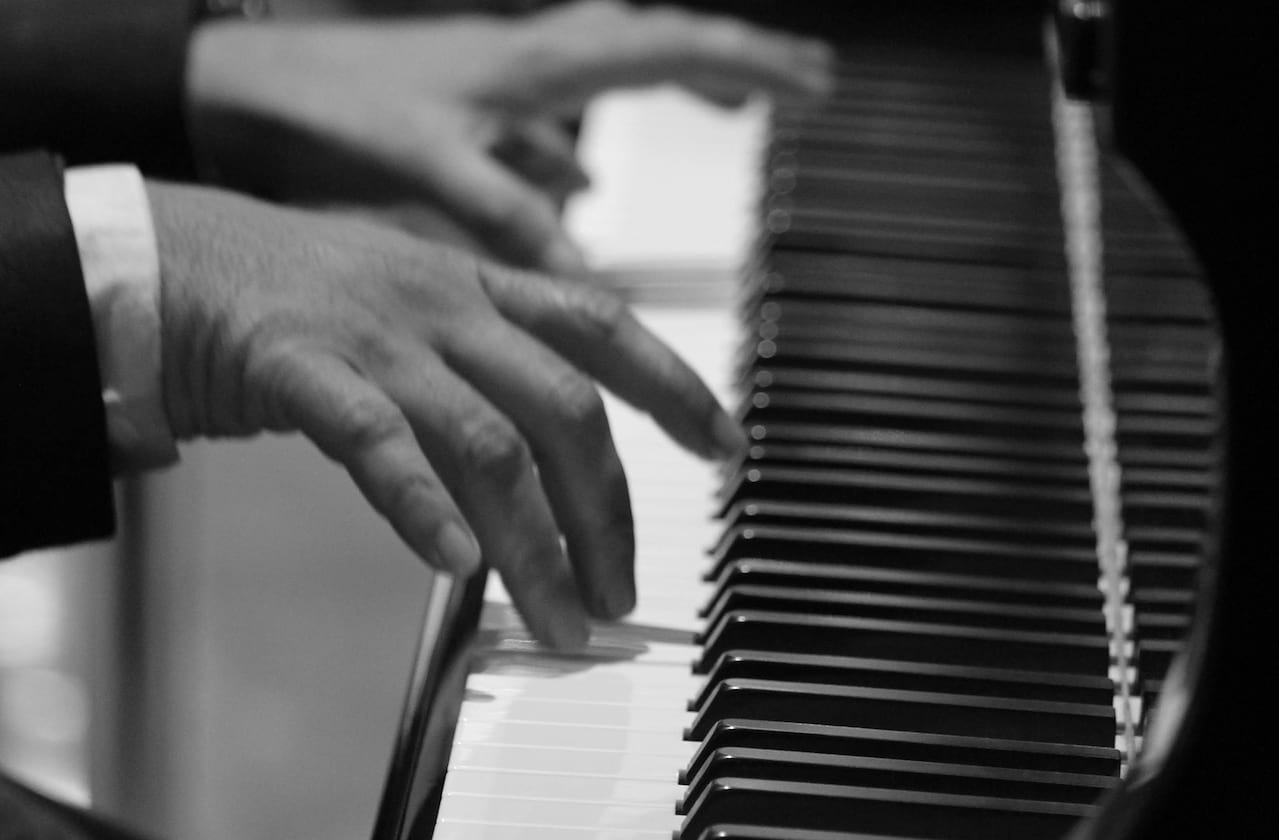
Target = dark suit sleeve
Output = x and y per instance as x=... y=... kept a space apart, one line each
x=55 y=484
x=98 y=81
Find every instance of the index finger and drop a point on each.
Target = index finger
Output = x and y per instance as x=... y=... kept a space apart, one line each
x=596 y=331
x=580 y=51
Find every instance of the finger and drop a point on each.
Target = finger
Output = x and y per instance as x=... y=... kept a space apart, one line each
x=355 y=423
x=489 y=466
x=508 y=216
x=590 y=47
x=561 y=414
x=542 y=153
x=594 y=330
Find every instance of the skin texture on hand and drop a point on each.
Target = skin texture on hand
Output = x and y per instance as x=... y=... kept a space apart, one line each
x=459 y=112
x=459 y=394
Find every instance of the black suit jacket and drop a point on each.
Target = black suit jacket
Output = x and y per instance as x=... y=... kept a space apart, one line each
x=92 y=81
x=96 y=81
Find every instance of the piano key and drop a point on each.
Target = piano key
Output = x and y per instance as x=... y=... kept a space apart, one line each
x=570 y=785
x=561 y=734
x=850 y=576
x=844 y=486
x=917 y=746
x=912 y=676
x=916 y=384
x=761 y=512
x=954 y=285
x=904 y=608
x=614 y=763
x=831 y=807
x=909 y=552
x=899 y=709
x=867 y=351
x=454 y=829
x=935 y=777
x=466 y=808
x=915 y=641
x=749 y=832
x=929 y=414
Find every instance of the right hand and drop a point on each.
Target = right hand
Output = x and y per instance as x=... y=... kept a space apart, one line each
x=459 y=113
x=457 y=393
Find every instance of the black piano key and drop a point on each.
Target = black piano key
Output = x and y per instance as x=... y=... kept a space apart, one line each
x=913 y=552
x=1163 y=570
x=1166 y=508
x=912 y=676
x=872 y=353
x=754 y=832
x=916 y=641
x=826 y=379
x=760 y=512
x=1166 y=299
x=899 y=709
x=897 y=774
x=986 y=331
x=925 y=414
x=955 y=285
x=916 y=746
x=961 y=611
x=1162 y=457
x=835 y=808
x=1032 y=453
x=854 y=578
x=985 y=495
x=1155 y=479
x=1163 y=601
x=1154 y=656
x=1152 y=625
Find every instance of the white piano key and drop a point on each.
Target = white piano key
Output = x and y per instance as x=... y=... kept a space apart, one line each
x=564 y=812
x=476 y=830
x=629 y=741
x=582 y=714
x=622 y=683
x=576 y=787
x=615 y=763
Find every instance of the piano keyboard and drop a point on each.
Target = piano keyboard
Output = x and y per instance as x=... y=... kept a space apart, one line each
x=899 y=629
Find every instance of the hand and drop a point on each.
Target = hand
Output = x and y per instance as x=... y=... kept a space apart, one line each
x=459 y=112
x=457 y=393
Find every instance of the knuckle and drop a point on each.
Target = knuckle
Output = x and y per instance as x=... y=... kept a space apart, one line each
x=495 y=450
x=579 y=404
x=600 y=314
x=366 y=423
x=410 y=494
x=724 y=36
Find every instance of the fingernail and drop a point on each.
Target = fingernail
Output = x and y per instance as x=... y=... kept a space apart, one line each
x=728 y=436
x=617 y=601
x=569 y=631
x=564 y=258
x=457 y=549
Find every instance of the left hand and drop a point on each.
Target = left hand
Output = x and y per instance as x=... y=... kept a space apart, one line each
x=460 y=112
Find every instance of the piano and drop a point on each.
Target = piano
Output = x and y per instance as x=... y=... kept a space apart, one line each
x=975 y=576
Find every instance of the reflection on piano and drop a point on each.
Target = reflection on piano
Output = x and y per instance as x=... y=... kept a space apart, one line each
x=953 y=569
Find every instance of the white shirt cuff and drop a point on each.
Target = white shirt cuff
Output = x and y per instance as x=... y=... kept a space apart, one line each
x=120 y=261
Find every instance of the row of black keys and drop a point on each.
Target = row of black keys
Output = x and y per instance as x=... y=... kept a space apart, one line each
x=907 y=634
